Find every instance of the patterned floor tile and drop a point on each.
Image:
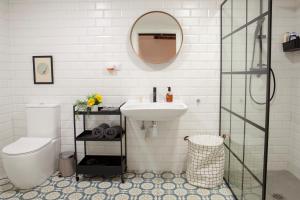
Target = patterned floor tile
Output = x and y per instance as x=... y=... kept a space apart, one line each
x=138 y=186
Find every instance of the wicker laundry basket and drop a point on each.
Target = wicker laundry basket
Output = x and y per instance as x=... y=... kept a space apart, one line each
x=205 y=161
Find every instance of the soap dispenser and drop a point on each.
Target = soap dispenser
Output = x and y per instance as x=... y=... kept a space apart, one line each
x=169 y=95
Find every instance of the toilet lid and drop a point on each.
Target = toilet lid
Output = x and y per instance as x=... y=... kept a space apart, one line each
x=26 y=145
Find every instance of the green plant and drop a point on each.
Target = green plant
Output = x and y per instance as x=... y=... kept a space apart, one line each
x=81 y=105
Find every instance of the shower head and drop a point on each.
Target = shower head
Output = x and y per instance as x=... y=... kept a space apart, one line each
x=259 y=26
x=258 y=36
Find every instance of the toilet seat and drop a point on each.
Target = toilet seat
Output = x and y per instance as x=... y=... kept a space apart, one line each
x=26 y=145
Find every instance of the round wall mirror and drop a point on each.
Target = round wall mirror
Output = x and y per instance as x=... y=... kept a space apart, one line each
x=156 y=37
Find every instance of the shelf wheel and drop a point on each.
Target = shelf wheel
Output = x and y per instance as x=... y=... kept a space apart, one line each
x=77 y=178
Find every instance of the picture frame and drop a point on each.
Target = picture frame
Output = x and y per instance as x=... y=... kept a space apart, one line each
x=43 y=69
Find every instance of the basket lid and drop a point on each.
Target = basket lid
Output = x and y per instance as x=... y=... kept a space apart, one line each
x=206 y=140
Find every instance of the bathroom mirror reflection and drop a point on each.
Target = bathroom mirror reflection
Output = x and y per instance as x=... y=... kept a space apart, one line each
x=156 y=37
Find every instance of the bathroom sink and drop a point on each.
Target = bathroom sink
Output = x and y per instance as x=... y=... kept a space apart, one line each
x=158 y=111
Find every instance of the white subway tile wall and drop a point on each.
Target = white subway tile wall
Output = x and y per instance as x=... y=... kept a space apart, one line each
x=6 y=107
x=280 y=143
x=294 y=158
x=85 y=36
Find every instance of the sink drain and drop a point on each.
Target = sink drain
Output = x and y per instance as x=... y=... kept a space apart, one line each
x=277 y=196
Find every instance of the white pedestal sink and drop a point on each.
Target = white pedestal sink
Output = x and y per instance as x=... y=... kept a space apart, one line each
x=158 y=111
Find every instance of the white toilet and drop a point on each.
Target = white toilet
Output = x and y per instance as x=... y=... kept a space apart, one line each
x=30 y=160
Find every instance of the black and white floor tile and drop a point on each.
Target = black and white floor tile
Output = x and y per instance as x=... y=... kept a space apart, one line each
x=138 y=186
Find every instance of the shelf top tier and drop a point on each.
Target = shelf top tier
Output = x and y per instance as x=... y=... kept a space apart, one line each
x=104 y=111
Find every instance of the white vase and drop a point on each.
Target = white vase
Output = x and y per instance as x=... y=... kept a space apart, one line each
x=94 y=108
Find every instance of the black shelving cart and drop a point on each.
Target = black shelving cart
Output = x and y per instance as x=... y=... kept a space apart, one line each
x=102 y=165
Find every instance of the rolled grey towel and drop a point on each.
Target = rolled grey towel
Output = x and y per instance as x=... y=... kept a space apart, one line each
x=119 y=129
x=98 y=132
x=113 y=132
x=104 y=125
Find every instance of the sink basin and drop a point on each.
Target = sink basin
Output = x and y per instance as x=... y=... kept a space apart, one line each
x=158 y=111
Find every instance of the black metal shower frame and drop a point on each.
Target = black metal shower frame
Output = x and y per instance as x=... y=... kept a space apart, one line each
x=268 y=85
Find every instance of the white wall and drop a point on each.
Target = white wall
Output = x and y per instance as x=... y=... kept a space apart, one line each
x=84 y=36
x=294 y=159
x=280 y=111
x=6 y=131
x=284 y=130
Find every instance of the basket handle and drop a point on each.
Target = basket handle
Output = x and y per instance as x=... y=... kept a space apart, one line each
x=186 y=138
x=225 y=136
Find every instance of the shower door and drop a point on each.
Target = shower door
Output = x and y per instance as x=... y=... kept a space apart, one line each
x=245 y=94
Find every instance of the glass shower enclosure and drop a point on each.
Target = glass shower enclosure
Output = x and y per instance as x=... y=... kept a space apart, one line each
x=245 y=94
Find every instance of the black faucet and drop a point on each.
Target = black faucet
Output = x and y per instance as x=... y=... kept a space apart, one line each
x=154 y=94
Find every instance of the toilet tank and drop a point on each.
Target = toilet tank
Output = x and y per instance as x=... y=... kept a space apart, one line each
x=43 y=120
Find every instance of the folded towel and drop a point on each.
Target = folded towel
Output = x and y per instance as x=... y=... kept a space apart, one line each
x=104 y=125
x=113 y=132
x=99 y=131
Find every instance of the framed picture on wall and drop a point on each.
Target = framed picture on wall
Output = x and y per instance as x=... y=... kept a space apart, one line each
x=43 y=69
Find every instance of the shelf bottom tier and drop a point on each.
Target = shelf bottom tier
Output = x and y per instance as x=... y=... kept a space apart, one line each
x=101 y=165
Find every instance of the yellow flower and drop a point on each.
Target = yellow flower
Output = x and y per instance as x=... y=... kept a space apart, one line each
x=91 y=102
x=99 y=98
